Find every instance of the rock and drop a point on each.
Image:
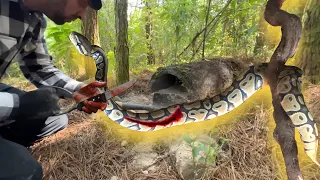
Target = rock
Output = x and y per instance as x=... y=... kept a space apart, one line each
x=189 y=168
x=184 y=162
x=144 y=158
x=167 y=99
x=142 y=148
x=124 y=143
x=114 y=178
x=152 y=168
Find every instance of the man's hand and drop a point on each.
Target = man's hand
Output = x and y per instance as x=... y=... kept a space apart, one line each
x=87 y=91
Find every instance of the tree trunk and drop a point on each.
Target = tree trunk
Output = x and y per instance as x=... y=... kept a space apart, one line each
x=150 y=56
x=122 y=49
x=90 y=30
x=309 y=53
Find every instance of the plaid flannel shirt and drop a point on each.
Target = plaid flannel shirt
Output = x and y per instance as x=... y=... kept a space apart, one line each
x=22 y=40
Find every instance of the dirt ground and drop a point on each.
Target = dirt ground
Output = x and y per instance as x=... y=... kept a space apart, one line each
x=87 y=150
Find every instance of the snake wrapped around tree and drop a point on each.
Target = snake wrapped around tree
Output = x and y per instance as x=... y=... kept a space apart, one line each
x=245 y=85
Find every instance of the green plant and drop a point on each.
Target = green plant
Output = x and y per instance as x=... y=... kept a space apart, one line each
x=203 y=153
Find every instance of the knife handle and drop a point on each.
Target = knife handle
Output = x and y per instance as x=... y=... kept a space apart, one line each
x=97 y=98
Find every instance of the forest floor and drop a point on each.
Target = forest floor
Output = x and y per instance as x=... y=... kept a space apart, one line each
x=89 y=150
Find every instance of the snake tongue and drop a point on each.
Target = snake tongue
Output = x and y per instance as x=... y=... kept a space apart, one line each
x=119 y=89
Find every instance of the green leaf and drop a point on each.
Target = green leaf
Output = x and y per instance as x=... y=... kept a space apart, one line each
x=137 y=30
x=195 y=152
x=251 y=30
x=202 y=159
x=233 y=4
x=223 y=140
x=201 y=146
x=187 y=139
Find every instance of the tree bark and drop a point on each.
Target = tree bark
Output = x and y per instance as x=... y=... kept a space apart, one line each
x=122 y=49
x=148 y=26
x=284 y=132
x=90 y=30
x=309 y=53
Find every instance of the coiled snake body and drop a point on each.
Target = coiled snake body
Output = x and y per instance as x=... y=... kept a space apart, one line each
x=247 y=83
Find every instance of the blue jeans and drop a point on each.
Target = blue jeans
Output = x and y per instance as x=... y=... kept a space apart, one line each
x=15 y=160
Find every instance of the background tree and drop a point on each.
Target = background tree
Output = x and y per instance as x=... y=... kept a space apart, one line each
x=90 y=29
x=308 y=54
x=148 y=18
x=122 y=49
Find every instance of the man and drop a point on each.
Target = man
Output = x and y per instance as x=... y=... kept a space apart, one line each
x=25 y=117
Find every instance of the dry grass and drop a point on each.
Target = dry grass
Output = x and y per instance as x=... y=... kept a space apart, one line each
x=250 y=157
x=87 y=151
x=82 y=152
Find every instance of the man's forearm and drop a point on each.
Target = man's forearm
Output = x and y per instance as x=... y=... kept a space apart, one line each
x=46 y=74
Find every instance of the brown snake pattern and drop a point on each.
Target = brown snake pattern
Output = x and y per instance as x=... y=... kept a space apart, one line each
x=247 y=83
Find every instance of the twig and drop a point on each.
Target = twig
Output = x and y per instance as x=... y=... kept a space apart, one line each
x=205 y=31
x=160 y=158
x=199 y=46
x=199 y=33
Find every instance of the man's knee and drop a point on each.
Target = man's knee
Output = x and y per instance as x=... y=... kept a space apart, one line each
x=27 y=132
x=17 y=163
x=32 y=170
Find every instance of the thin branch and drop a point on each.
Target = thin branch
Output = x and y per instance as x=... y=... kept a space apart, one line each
x=198 y=48
x=203 y=29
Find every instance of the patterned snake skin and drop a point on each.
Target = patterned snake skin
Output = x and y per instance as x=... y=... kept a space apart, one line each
x=248 y=83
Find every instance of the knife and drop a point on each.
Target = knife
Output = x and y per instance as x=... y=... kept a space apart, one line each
x=102 y=97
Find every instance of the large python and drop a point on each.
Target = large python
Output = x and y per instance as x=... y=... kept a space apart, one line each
x=246 y=84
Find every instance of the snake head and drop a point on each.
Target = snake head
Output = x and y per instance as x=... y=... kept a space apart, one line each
x=81 y=43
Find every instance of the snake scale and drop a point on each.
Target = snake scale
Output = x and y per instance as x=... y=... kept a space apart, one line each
x=246 y=84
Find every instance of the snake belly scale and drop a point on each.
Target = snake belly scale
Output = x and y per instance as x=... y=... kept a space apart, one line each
x=246 y=84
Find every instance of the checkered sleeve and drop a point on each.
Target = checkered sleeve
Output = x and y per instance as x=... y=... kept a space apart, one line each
x=8 y=104
x=38 y=68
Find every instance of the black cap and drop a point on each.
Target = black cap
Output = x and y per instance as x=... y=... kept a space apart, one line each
x=95 y=4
